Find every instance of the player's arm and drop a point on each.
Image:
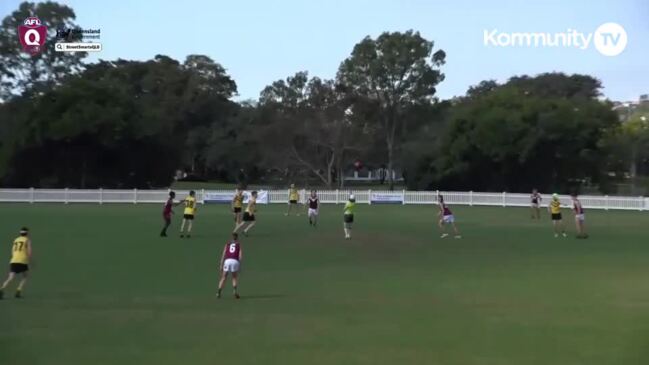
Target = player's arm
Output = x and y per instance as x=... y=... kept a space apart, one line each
x=28 y=248
x=223 y=257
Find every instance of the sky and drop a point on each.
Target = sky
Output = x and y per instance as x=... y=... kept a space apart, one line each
x=259 y=42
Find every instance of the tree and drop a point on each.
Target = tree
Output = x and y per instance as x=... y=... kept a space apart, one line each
x=394 y=71
x=130 y=130
x=527 y=134
x=21 y=72
x=313 y=119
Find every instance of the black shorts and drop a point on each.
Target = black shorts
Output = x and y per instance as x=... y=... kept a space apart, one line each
x=247 y=217
x=292 y=201
x=18 y=268
x=189 y=217
x=348 y=218
x=556 y=216
x=236 y=209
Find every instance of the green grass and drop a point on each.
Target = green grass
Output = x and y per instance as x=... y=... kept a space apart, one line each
x=106 y=290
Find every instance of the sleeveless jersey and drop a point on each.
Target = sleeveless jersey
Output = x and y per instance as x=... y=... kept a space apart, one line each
x=535 y=198
x=313 y=203
x=190 y=205
x=555 y=207
x=238 y=201
x=578 y=208
x=167 y=207
x=349 y=208
x=252 y=206
x=19 y=251
x=232 y=250
x=446 y=210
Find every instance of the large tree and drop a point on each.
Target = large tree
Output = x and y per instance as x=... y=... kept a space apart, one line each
x=528 y=133
x=122 y=123
x=393 y=72
x=313 y=120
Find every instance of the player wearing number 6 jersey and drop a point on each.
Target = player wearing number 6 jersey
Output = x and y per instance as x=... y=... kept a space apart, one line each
x=21 y=254
x=231 y=263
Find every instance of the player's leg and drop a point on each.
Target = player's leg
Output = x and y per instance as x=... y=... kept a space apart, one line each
x=249 y=227
x=239 y=226
x=288 y=209
x=442 y=227
x=224 y=277
x=163 y=233
x=315 y=218
x=21 y=285
x=182 y=227
x=6 y=282
x=235 y=284
x=190 y=224
x=457 y=231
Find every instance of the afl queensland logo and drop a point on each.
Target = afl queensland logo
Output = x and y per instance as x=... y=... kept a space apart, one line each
x=32 y=35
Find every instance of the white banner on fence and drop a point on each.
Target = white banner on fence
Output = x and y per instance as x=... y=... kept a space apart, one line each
x=226 y=197
x=387 y=198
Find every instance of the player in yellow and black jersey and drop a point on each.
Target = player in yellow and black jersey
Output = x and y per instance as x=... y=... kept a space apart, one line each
x=557 y=220
x=237 y=206
x=293 y=200
x=249 y=216
x=21 y=254
x=188 y=214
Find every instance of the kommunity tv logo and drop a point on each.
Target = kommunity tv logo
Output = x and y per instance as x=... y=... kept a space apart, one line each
x=609 y=39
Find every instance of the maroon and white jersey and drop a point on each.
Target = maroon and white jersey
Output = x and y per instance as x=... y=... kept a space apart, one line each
x=313 y=202
x=445 y=209
x=166 y=211
x=535 y=198
x=232 y=250
x=576 y=206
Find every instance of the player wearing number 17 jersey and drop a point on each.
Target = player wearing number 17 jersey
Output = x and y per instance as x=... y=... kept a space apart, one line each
x=21 y=254
x=188 y=214
x=231 y=263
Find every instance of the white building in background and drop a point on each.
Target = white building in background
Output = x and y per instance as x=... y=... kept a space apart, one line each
x=626 y=108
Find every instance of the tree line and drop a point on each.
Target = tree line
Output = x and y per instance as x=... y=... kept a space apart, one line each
x=122 y=123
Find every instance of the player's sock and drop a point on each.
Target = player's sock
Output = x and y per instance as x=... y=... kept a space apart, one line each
x=18 y=294
x=2 y=294
x=218 y=293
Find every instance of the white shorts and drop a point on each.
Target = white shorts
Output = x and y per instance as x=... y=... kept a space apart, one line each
x=448 y=218
x=534 y=205
x=313 y=212
x=231 y=265
x=580 y=217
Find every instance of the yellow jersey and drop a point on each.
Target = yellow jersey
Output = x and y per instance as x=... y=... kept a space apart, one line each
x=19 y=253
x=252 y=206
x=237 y=201
x=555 y=207
x=349 y=208
x=190 y=205
x=293 y=194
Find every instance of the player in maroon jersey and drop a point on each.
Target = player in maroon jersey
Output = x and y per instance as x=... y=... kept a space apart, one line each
x=446 y=217
x=167 y=212
x=313 y=205
x=579 y=217
x=535 y=203
x=230 y=263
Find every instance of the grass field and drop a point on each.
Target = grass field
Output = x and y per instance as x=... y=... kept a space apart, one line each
x=106 y=289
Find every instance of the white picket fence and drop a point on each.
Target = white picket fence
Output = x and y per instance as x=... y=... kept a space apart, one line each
x=136 y=196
